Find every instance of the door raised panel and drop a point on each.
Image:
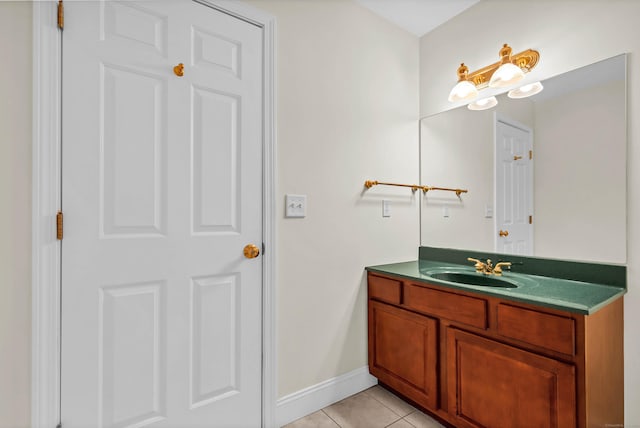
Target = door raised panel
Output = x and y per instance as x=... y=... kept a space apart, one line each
x=214 y=50
x=494 y=385
x=133 y=152
x=138 y=27
x=132 y=354
x=215 y=338
x=216 y=173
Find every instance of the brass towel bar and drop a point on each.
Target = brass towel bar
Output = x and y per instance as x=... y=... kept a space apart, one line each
x=370 y=183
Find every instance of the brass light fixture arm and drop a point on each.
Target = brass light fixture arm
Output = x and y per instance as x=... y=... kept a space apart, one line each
x=526 y=60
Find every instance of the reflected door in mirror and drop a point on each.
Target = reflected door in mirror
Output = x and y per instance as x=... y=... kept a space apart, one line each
x=514 y=189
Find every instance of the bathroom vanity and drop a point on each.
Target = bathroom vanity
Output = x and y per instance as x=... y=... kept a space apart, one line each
x=542 y=348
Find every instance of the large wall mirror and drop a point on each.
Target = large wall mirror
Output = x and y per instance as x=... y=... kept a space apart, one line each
x=571 y=195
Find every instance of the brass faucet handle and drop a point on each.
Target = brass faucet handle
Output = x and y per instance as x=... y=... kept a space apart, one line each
x=479 y=265
x=498 y=267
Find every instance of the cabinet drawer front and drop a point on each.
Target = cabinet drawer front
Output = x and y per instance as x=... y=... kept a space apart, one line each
x=464 y=309
x=385 y=289
x=553 y=332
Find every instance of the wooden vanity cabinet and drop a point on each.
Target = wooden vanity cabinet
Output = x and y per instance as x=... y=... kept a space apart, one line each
x=479 y=361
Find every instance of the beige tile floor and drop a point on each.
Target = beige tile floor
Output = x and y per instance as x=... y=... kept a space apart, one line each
x=373 y=408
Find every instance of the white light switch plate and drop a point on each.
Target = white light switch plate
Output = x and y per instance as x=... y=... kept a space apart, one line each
x=488 y=211
x=386 y=208
x=296 y=206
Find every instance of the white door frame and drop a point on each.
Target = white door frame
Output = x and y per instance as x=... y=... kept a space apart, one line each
x=46 y=200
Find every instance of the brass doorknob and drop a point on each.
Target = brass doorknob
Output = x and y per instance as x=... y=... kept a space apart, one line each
x=251 y=251
x=504 y=233
x=179 y=70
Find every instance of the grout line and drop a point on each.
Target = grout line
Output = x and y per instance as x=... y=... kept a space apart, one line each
x=327 y=415
x=397 y=420
x=400 y=418
x=405 y=419
x=374 y=399
x=393 y=411
x=384 y=405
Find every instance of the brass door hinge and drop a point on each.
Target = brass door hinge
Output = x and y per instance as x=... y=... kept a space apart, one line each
x=59 y=226
x=530 y=219
x=530 y=154
x=60 y=15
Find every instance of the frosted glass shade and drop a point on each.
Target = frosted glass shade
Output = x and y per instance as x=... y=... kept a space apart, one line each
x=506 y=75
x=483 y=104
x=526 y=90
x=464 y=90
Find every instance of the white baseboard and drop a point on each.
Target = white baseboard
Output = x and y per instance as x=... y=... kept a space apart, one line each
x=311 y=399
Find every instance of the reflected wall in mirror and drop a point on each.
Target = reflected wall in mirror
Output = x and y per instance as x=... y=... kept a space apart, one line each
x=578 y=169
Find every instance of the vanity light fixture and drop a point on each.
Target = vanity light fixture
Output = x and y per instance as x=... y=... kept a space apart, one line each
x=508 y=73
x=483 y=104
x=509 y=70
x=526 y=90
x=464 y=89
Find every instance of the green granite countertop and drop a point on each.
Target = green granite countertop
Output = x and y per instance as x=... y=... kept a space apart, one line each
x=558 y=293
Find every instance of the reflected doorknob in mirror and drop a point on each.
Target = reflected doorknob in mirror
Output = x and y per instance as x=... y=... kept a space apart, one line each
x=503 y=233
x=251 y=251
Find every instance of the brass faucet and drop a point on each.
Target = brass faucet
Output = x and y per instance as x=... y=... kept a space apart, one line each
x=488 y=268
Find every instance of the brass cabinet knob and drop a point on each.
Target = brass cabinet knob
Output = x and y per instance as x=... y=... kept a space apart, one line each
x=179 y=70
x=504 y=233
x=251 y=251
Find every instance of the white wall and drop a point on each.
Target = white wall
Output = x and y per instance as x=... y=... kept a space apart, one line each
x=568 y=34
x=347 y=88
x=15 y=214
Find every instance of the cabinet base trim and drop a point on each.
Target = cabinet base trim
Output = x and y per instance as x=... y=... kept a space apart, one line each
x=308 y=400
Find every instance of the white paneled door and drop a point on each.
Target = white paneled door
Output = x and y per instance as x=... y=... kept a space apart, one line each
x=514 y=189
x=162 y=191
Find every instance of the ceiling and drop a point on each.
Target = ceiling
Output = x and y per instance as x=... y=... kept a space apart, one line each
x=417 y=16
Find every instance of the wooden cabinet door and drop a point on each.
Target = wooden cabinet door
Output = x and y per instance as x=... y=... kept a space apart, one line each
x=403 y=352
x=494 y=385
